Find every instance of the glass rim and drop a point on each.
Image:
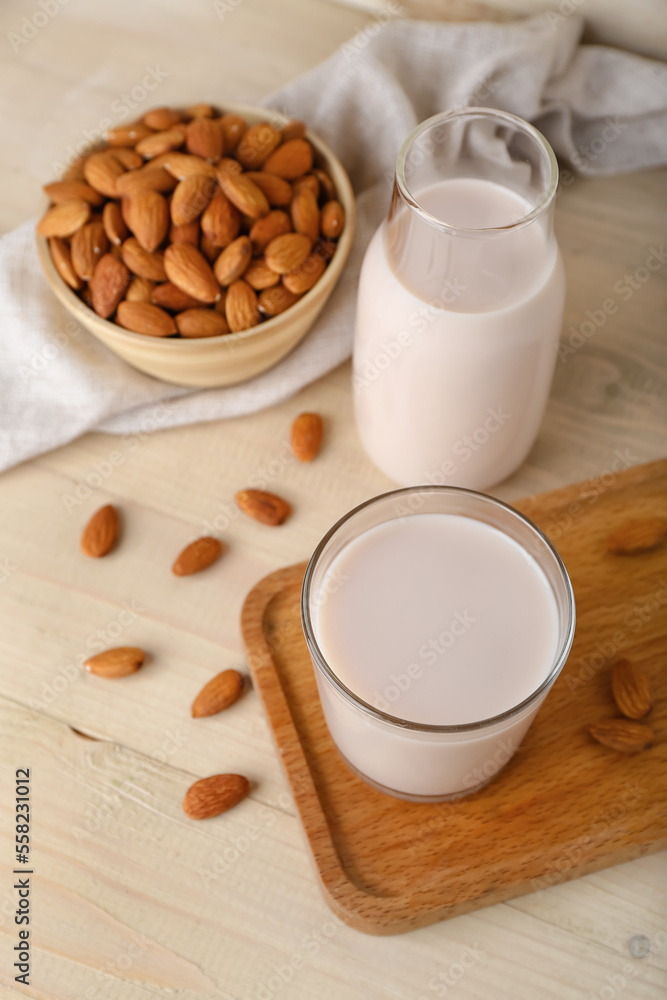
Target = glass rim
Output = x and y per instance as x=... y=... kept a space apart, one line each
x=420 y=727
x=474 y=112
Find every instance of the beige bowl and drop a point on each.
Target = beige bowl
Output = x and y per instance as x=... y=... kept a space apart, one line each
x=235 y=357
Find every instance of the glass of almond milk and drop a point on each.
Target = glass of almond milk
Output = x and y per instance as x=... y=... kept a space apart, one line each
x=460 y=303
x=437 y=620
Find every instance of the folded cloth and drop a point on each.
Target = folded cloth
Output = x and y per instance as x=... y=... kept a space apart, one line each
x=603 y=110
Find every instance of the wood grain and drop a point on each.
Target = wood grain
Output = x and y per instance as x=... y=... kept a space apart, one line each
x=564 y=806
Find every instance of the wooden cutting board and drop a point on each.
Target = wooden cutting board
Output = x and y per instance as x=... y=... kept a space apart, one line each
x=564 y=806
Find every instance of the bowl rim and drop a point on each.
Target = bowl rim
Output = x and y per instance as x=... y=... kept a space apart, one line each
x=78 y=307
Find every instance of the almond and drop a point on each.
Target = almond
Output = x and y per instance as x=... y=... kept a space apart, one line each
x=189 y=270
x=294 y=129
x=160 y=142
x=182 y=165
x=128 y=157
x=631 y=689
x=127 y=135
x=108 y=285
x=187 y=233
x=101 y=533
x=62 y=259
x=290 y=160
x=114 y=226
x=168 y=296
x=637 y=536
x=265 y=507
x=64 y=220
x=119 y=662
x=140 y=290
x=622 y=735
x=208 y=248
x=190 y=198
x=306 y=214
x=147 y=178
x=221 y=221
x=308 y=182
x=327 y=189
x=200 y=110
x=284 y=253
x=303 y=277
x=278 y=192
x=333 y=220
x=201 y=323
x=220 y=692
x=203 y=552
x=233 y=261
x=161 y=119
x=307 y=436
x=145 y=318
x=241 y=308
x=149 y=218
x=61 y=191
x=141 y=262
x=204 y=137
x=276 y=223
x=256 y=144
x=274 y=301
x=259 y=276
x=245 y=195
x=88 y=246
x=75 y=170
x=102 y=171
x=233 y=127
x=212 y=796
x=228 y=166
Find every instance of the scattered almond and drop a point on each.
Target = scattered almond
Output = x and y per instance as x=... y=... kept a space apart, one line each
x=221 y=221
x=127 y=135
x=259 y=276
x=119 y=662
x=306 y=214
x=233 y=127
x=187 y=233
x=182 y=165
x=198 y=555
x=102 y=170
x=265 y=507
x=212 y=796
x=637 y=536
x=220 y=692
x=631 y=689
x=161 y=119
x=303 y=277
x=622 y=735
x=101 y=533
x=160 y=142
x=168 y=296
x=140 y=290
x=307 y=436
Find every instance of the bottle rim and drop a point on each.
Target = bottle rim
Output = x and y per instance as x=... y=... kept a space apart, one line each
x=490 y=113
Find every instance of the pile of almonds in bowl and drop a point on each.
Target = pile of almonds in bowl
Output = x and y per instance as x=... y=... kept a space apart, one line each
x=194 y=224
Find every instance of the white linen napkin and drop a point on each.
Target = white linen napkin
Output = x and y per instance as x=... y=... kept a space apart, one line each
x=603 y=110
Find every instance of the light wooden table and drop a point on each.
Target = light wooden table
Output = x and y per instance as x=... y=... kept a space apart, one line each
x=132 y=900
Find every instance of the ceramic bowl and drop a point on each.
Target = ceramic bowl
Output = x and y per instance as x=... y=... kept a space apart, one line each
x=234 y=357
